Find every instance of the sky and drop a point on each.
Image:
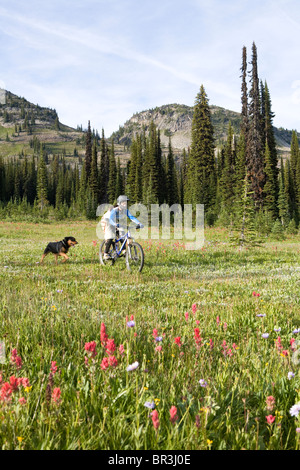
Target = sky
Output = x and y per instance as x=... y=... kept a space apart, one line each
x=104 y=60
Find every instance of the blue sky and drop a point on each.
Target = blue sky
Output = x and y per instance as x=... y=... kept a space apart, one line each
x=103 y=61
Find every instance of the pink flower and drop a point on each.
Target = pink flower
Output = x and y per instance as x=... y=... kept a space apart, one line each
x=104 y=363
x=270 y=419
x=155 y=420
x=173 y=414
x=22 y=401
x=186 y=316
x=5 y=392
x=112 y=361
x=218 y=320
x=91 y=348
x=284 y=352
x=177 y=341
x=270 y=402
x=197 y=337
x=197 y=322
x=15 y=359
x=155 y=333
x=158 y=348
x=211 y=344
x=25 y=382
x=110 y=346
x=56 y=395
x=225 y=326
x=121 y=349
x=94 y=242
x=194 y=308
x=53 y=367
x=103 y=335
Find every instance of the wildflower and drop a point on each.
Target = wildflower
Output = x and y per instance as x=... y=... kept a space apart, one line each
x=155 y=420
x=197 y=336
x=211 y=344
x=225 y=326
x=261 y=315
x=104 y=364
x=294 y=411
x=132 y=366
x=158 y=348
x=149 y=405
x=186 y=315
x=197 y=422
x=173 y=414
x=293 y=346
x=94 y=242
x=158 y=339
x=296 y=331
x=112 y=361
x=121 y=349
x=203 y=383
x=270 y=401
x=91 y=347
x=103 y=335
x=209 y=442
x=177 y=341
x=265 y=335
x=218 y=320
x=22 y=401
x=277 y=330
x=27 y=389
x=194 y=308
x=59 y=291
x=20 y=438
x=154 y=333
x=130 y=324
x=291 y=375
x=110 y=346
x=53 y=367
x=297 y=430
x=284 y=353
x=15 y=359
x=56 y=395
x=270 y=419
x=5 y=392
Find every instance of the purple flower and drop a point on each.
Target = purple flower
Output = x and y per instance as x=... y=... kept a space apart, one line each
x=158 y=338
x=203 y=383
x=261 y=315
x=296 y=331
x=151 y=405
x=298 y=430
x=291 y=375
x=294 y=411
x=59 y=291
x=277 y=329
x=130 y=324
x=132 y=366
x=265 y=335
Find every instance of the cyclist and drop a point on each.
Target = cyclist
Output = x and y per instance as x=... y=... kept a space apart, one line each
x=117 y=220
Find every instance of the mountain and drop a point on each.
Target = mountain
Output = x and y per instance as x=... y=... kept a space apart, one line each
x=23 y=123
x=175 y=121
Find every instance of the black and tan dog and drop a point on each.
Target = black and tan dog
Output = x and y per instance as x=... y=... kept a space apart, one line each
x=59 y=248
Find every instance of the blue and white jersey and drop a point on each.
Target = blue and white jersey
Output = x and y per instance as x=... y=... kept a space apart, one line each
x=118 y=216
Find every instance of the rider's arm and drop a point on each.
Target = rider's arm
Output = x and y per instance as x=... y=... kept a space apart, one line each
x=131 y=217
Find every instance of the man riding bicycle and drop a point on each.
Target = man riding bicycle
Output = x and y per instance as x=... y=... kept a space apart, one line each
x=116 y=221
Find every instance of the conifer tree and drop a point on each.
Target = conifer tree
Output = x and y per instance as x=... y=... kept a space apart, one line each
x=270 y=186
x=88 y=152
x=254 y=156
x=201 y=160
x=112 y=179
x=42 y=189
x=93 y=180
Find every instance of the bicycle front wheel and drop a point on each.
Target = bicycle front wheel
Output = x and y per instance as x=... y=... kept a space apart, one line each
x=134 y=257
x=103 y=261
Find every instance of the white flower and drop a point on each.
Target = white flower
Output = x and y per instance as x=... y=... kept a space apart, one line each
x=294 y=411
x=132 y=366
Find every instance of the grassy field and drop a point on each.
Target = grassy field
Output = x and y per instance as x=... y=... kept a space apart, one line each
x=197 y=352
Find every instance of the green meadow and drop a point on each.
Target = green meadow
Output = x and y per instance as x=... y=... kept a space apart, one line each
x=199 y=351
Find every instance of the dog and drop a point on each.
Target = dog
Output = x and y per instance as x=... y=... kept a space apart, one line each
x=59 y=248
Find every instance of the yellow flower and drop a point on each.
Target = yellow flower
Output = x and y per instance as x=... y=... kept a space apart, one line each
x=27 y=389
x=145 y=388
x=209 y=443
x=20 y=439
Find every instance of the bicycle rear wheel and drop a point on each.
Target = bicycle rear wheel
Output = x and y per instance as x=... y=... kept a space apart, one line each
x=103 y=261
x=134 y=257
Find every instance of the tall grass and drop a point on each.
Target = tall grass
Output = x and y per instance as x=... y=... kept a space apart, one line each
x=191 y=329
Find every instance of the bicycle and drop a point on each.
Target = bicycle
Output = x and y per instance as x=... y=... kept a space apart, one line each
x=134 y=253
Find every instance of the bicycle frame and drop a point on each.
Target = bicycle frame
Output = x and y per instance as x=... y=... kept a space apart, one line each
x=123 y=245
